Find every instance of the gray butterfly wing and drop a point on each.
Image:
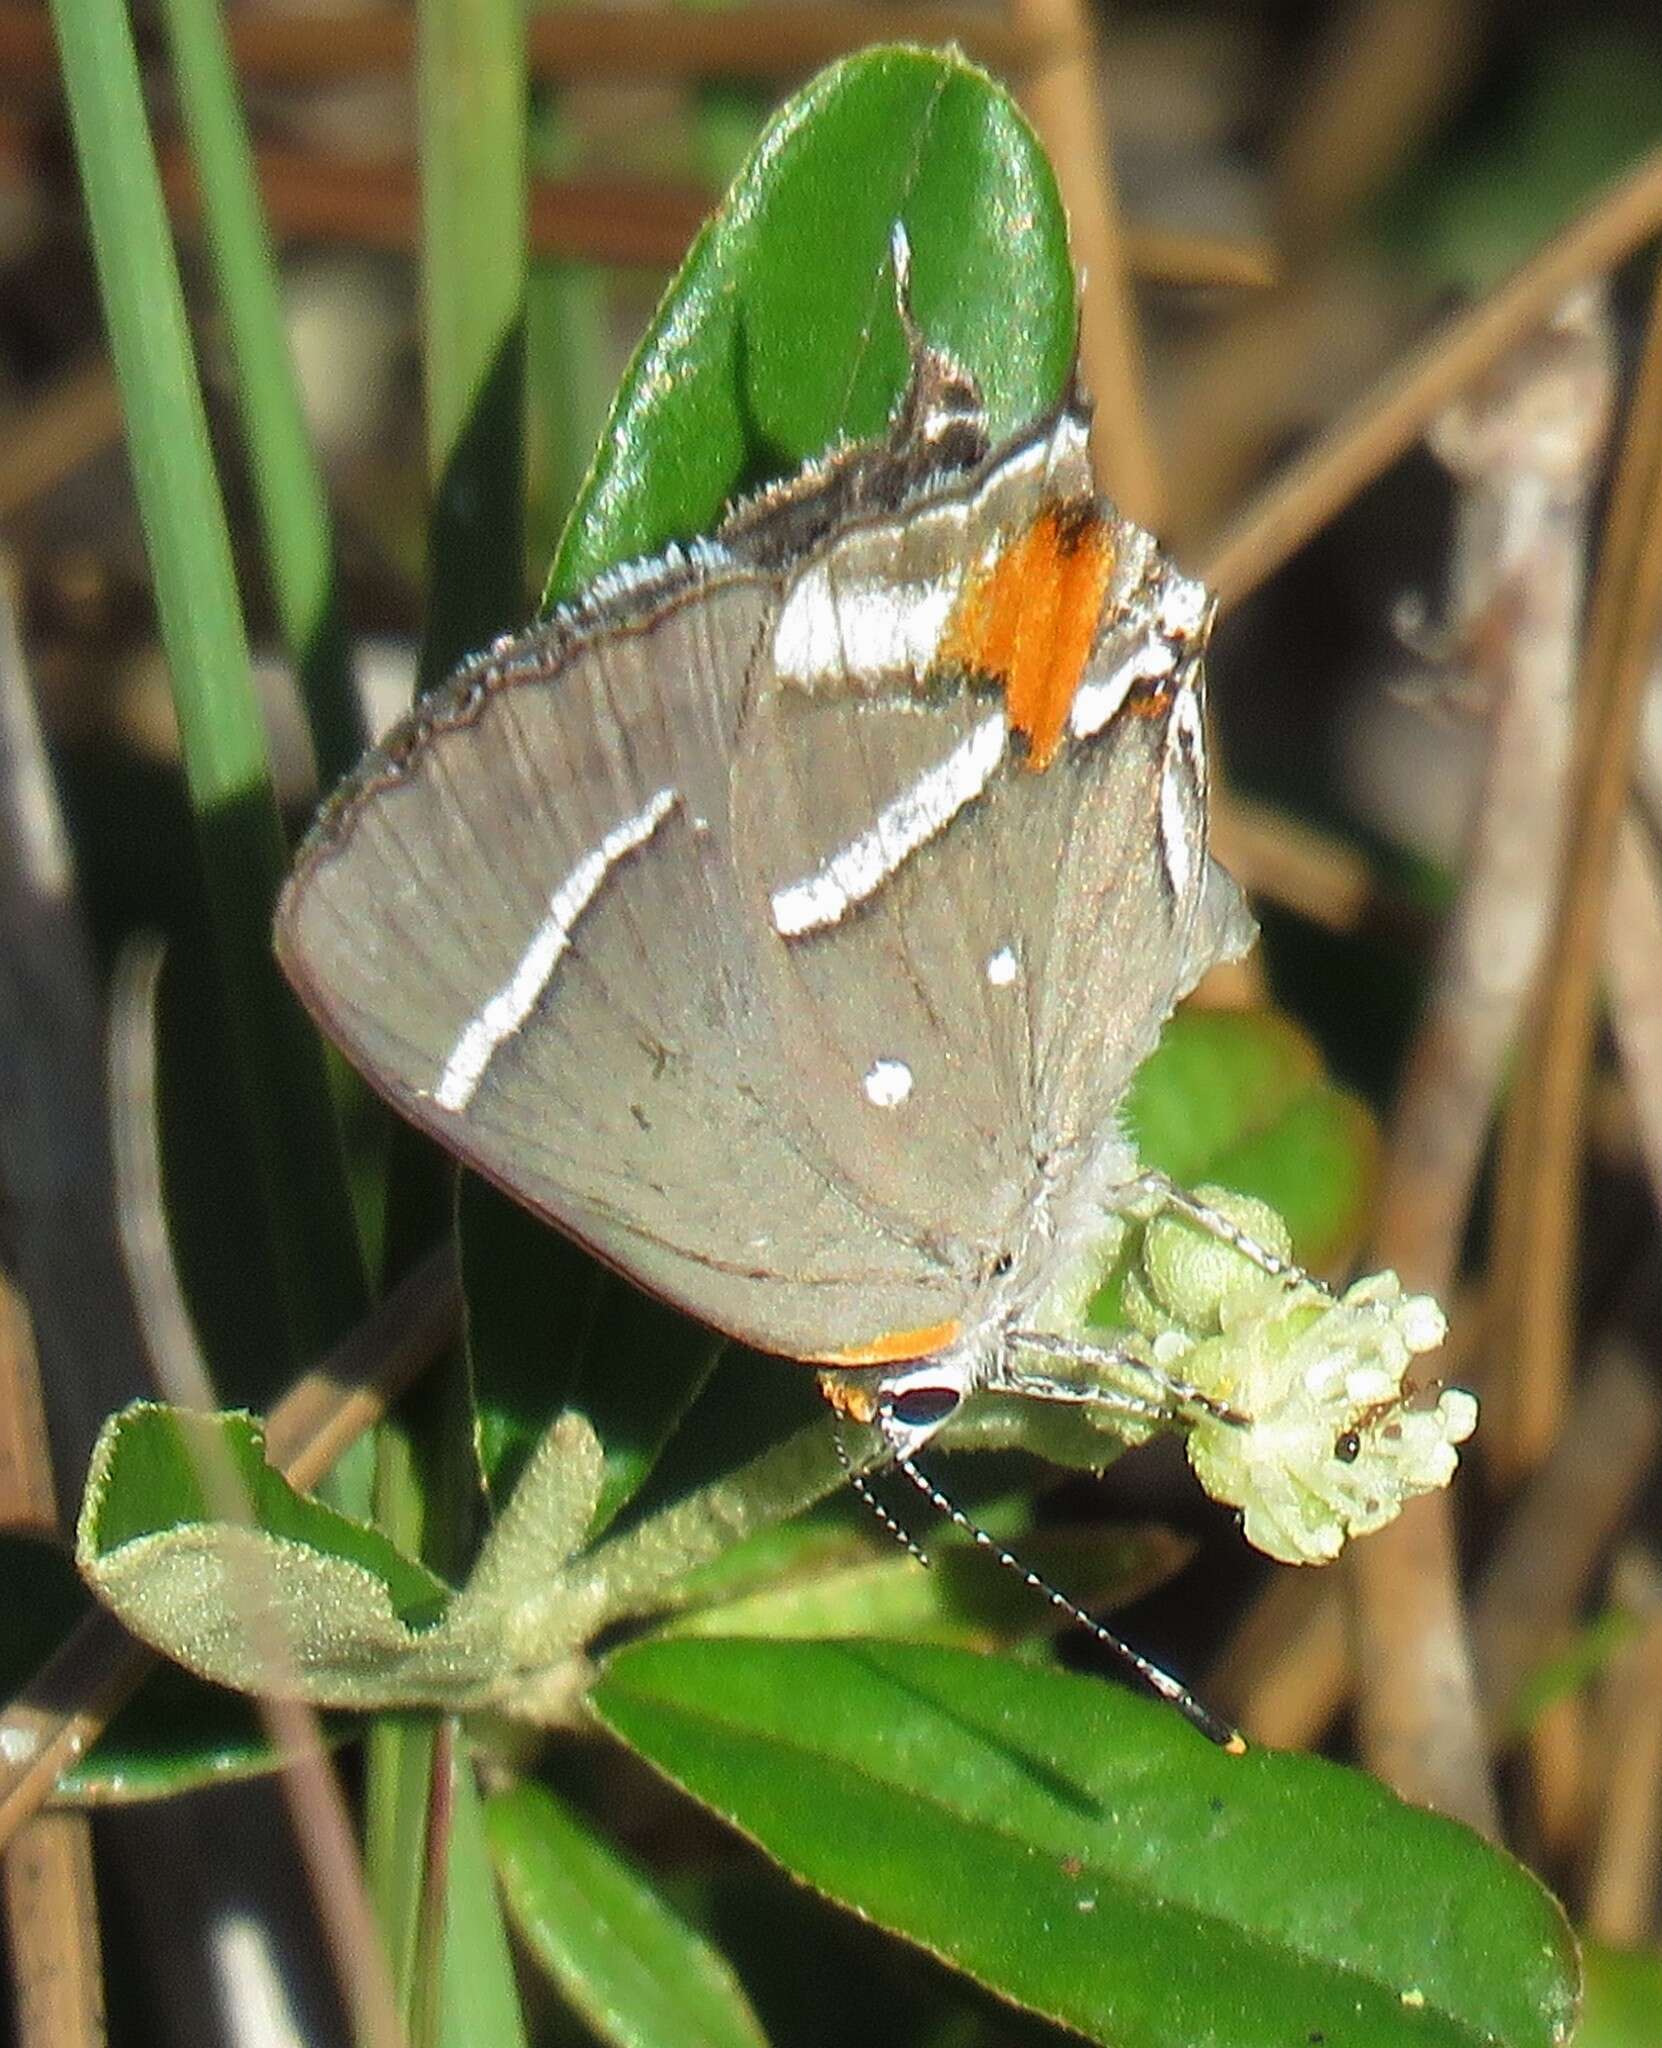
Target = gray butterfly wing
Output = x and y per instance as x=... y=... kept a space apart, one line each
x=972 y=933
x=757 y=928
x=523 y=923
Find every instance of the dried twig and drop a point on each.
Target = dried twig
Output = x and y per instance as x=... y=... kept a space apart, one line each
x=1528 y=447
x=51 y=1907
x=1386 y=71
x=1389 y=420
x=1535 y=1253
x=52 y=1921
x=1626 y=1858
x=1273 y=854
x=1633 y=971
x=1187 y=258
x=1064 y=100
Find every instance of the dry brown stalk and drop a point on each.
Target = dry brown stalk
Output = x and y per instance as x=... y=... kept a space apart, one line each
x=1633 y=973
x=1064 y=100
x=1527 y=447
x=1387 y=422
x=1385 y=73
x=52 y=1921
x=1176 y=256
x=50 y=1902
x=1625 y=1858
x=1539 y=1205
x=1527 y=450
x=1273 y=854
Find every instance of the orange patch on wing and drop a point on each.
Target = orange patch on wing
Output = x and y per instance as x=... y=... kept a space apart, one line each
x=1154 y=702
x=897 y=1346
x=1029 y=620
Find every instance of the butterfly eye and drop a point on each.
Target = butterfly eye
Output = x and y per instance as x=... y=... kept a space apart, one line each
x=1002 y=1264
x=1348 y=1448
x=924 y=1407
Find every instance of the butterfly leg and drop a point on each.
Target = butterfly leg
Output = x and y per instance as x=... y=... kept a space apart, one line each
x=1171 y=1399
x=1157 y=1191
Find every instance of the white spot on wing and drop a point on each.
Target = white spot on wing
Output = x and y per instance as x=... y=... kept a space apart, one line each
x=508 y=1009
x=1001 y=967
x=861 y=867
x=1066 y=442
x=1182 y=774
x=864 y=629
x=1183 y=606
x=888 y=1084
x=1190 y=729
x=1094 y=704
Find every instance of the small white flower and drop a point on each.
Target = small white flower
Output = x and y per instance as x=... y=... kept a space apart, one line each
x=1329 y=1446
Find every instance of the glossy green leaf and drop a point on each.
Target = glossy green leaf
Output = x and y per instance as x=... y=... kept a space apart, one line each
x=1238 y=1098
x=1086 y=1854
x=780 y=335
x=1623 y=2007
x=633 y=1968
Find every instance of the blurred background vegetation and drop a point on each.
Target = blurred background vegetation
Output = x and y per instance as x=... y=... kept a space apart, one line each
x=1287 y=214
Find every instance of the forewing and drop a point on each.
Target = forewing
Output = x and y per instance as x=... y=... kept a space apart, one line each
x=524 y=925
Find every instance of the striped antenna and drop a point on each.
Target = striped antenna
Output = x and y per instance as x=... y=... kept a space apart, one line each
x=1211 y=1725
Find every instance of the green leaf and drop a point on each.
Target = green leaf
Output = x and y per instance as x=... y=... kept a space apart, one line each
x=627 y=1962
x=1239 y=1098
x=1624 y=1996
x=211 y=1556
x=1086 y=1854
x=478 y=1993
x=869 y=1587
x=780 y=335
x=548 y=1330
x=156 y=1469
x=175 y=1735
